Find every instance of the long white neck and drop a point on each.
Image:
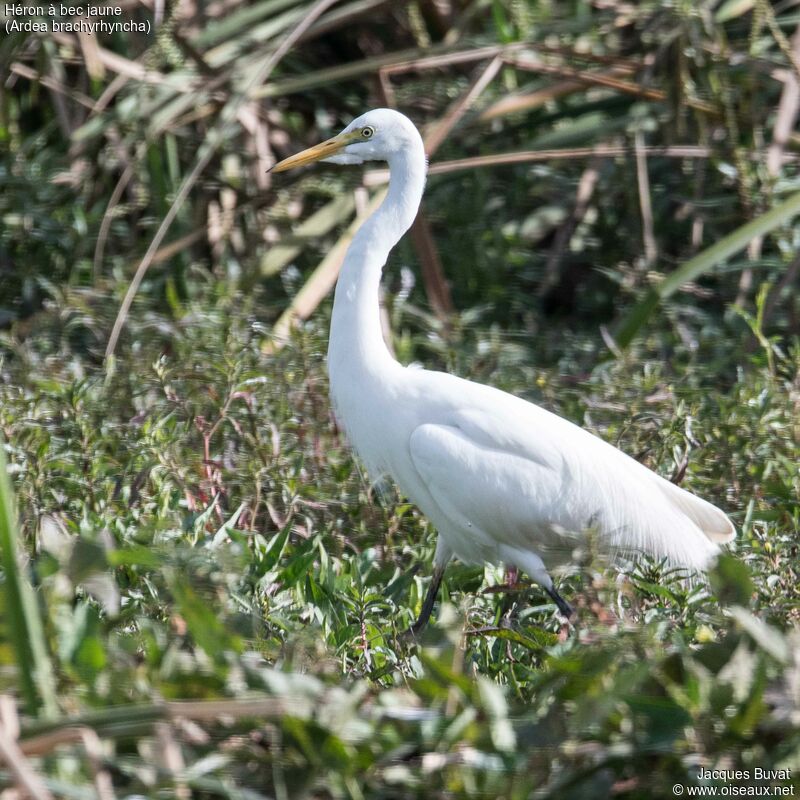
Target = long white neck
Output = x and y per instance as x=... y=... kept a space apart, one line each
x=356 y=338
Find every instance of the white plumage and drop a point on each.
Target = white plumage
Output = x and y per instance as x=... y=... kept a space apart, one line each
x=502 y=480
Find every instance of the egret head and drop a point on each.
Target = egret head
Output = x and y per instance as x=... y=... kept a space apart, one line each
x=374 y=136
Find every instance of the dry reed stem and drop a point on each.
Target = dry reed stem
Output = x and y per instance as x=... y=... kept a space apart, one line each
x=586 y=186
x=436 y=133
x=378 y=177
x=607 y=81
x=91 y=55
x=130 y=69
x=51 y=83
x=603 y=151
x=528 y=102
x=645 y=201
x=101 y=777
x=24 y=775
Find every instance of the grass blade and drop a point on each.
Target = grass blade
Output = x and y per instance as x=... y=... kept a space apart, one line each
x=22 y=612
x=702 y=263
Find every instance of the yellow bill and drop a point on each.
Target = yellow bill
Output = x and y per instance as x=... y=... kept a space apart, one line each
x=318 y=152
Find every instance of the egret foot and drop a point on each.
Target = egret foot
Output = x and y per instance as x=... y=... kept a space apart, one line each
x=563 y=606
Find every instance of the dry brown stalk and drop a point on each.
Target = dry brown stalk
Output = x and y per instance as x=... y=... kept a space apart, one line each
x=517 y=103
x=645 y=202
x=601 y=79
x=583 y=196
x=48 y=81
x=523 y=156
x=24 y=775
x=440 y=130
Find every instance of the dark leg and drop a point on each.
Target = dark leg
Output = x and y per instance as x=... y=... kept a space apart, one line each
x=563 y=606
x=430 y=599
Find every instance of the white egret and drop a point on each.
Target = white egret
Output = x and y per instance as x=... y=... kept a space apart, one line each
x=502 y=480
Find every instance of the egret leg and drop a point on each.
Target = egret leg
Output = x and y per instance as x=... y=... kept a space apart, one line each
x=430 y=599
x=533 y=565
x=512 y=575
x=563 y=606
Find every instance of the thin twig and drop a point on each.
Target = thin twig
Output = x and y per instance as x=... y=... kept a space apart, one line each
x=109 y=93
x=24 y=71
x=439 y=55
x=108 y=215
x=171 y=758
x=436 y=287
x=787 y=279
x=440 y=130
x=103 y=784
x=132 y=69
x=517 y=103
x=378 y=177
x=457 y=57
x=786 y=116
x=91 y=56
x=787 y=48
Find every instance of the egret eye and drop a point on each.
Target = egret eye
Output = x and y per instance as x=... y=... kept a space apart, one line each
x=367 y=132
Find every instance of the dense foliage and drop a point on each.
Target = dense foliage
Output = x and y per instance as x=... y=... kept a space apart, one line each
x=202 y=593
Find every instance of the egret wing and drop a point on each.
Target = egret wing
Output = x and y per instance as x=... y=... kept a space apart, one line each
x=512 y=473
x=489 y=496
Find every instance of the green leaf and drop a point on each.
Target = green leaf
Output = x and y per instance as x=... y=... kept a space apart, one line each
x=533 y=638
x=307 y=233
x=664 y=719
x=731 y=9
x=135 y=556
x=86 y=559
x=765 y=636
x=656 y=589
x=205 y=627
x=274 y=550
x=731 y=581
x=297 y=567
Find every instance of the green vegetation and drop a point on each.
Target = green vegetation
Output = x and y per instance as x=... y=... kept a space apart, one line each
x=202 y=595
